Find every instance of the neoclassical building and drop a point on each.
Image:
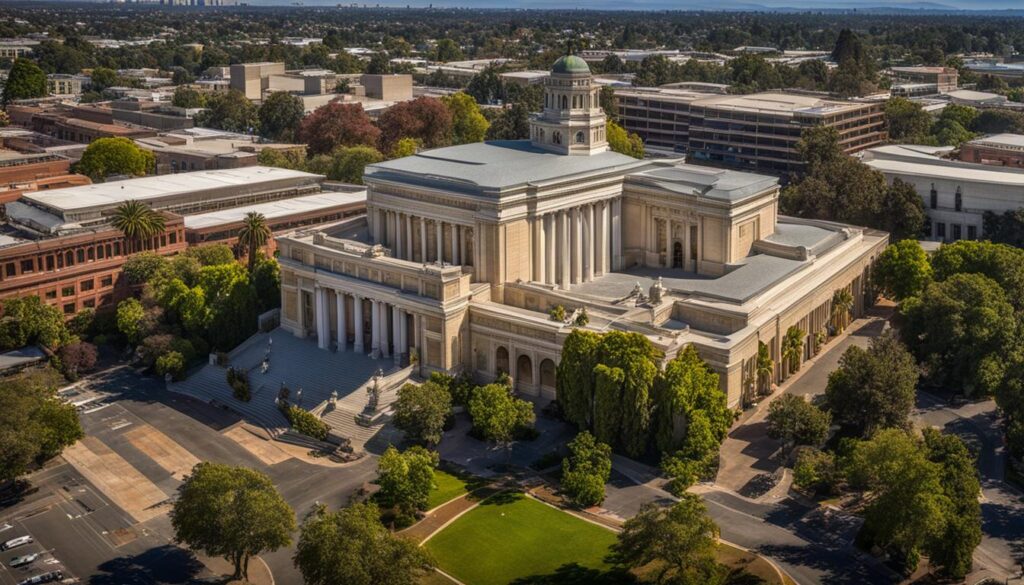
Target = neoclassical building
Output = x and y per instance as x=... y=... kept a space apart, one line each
x=464 y=251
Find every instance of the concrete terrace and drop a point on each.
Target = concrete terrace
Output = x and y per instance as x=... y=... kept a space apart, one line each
x=294 y=362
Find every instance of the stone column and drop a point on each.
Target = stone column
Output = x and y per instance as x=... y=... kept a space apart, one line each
x=462 y=246
x=668 y=243
x=403 y=333
x=385 y=345
x=357 y=316
x=588 y=251
x=686 y=246
x=577 y=245
x=423 y=240
x=616 y=234
x=396 y=332
x=563 y=250
x=374 y=329
x=323 y=335
x=600 y=240
x=551 y=239
x=439 y=234
x=408 y=237
x=538 y=249
x=455 y=243
x=396 y=248
x=606 y=234
x=339 y=298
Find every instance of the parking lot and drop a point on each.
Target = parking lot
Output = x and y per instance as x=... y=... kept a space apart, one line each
x=99 y=514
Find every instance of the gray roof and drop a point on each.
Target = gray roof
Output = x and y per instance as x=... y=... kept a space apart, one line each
x=718 y=184
x=499 y=164
x=814 y=238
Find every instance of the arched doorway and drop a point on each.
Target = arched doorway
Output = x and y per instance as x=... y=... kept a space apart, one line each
x=501 y=361
x=677 y=255
x=524 y=372
x=547 y=374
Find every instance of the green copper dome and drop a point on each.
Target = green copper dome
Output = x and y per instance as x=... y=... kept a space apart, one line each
x=571 y=64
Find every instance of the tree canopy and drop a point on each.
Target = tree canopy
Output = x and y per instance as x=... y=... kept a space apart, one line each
x=229 y=110
x=421 y=411
x=24 y=80
x=279 y=116
x=903 y=270
x=35 y=425
x=585 y=471
x=468 y=124
x=337 y=124
x=115 y=156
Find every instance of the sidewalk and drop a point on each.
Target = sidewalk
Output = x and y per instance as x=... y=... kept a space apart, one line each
x=259 y=572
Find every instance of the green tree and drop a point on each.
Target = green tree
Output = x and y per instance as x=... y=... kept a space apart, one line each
x=29 y=321
x=498 y=415
x=25 y=80
x=902 y=270
x=279 y=116
x=634 y=355
x=953 y=548
x=468 y=124
x=680 y=542
x=253 y=235
x=907 y=504
x=231 y=512
x=906 y=120
x=186 y=97
x=351 y=546
x=623 y=142
x=115 y=156
x=574 y=377
x=998 y=121
x=138 y=222
x=211 y=254
x=406 y=478
x=873 y=389
x=349 y=164
x=585 y=471
x=1006 y=228
x=963 y=331
x=130 y=314
x=447 y=50
x=902 y=213
x=513 y=123
x=103 y=78
x=406 y=147
x=35 y=425
x=764 y=367
x=424 y=118
x=141 y=268
x=797 y=422
x=421 y=411
x=172 y=363
x=231 y=111
x=1003 y=264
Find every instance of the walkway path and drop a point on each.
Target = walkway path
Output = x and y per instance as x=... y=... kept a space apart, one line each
x=748 y=452
x=446 y=513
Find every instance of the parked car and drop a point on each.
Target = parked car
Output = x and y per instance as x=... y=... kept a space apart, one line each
x=43 y=578
x=16 y=542
x=23 y=560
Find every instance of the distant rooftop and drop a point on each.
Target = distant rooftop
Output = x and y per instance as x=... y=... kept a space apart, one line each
x=781 y=103
x=717 y=184
x=1005 y=141
x=276 y=209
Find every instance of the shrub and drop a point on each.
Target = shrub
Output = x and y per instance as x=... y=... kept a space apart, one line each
x=239 y=382
x=557 y=313
x=305 y=422
x=815 y=471
x=76 y=358
x=171 y=363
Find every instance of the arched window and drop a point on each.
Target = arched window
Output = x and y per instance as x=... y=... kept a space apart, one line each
x=934 y=197
x=580 y=138
x=556 y=137
x=565 y=102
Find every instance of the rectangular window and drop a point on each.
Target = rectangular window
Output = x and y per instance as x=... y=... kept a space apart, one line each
x=27 y=267
x=51 y=294
x=89 y=303
x=9 y=269
x=81 y=255
x=69 y=308
x=972 y=232
x=935 y=199
x=107 y=281
x=86 y=285
x=956 y=232
x=49 y=262
x=92 y=253
x=67 y=291
x=940 y=230
x=173 y=237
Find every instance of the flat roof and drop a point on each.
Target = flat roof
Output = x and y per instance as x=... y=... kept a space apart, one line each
x=103 y=194
x=780 y=103
x=967 y=94
x=495 y=164
x=275 y=209
x=1007 y=139
x=982 y=174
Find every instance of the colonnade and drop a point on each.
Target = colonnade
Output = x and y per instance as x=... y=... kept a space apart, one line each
x=665 y=246
x=389 y=325
x=577 y=244
x=423 y=239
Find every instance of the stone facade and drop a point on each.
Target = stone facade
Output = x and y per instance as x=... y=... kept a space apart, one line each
x=464 y=252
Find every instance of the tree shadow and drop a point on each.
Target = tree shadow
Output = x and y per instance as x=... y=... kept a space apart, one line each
x=574 y=574
x=164 y=564
x=836 y=566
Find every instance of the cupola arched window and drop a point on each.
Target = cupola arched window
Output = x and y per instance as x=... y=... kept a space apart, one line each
x=556 y=138
x=580 y=138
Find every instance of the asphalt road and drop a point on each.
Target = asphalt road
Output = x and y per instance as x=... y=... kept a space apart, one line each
x=101 y=544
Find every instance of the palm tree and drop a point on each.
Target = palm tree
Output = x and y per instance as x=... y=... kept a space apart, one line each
x=792 y=347
x=253 y=235
x=764 y=368
x=137 y=221
x=842 y=303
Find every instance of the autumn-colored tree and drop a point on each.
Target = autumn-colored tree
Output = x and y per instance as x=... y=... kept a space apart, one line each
x=424 y=118
x=337 y=124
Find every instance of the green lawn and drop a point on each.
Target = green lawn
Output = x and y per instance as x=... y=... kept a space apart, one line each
x=510 y=536
x=448 y=487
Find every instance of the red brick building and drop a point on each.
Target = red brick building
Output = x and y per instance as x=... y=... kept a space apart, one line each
x=1004 y=150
